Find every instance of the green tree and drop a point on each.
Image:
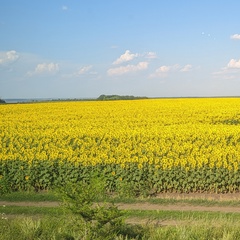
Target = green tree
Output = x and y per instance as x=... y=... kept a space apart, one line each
x=2 y=101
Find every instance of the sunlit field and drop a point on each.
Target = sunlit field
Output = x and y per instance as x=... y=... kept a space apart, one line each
x=146 y=146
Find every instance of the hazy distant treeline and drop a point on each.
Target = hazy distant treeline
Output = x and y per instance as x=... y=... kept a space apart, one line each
x=118 y=97
x=2 y=101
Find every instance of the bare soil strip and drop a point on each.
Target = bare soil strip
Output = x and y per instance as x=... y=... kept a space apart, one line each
x=180 y=206
x=139 y=206
x=202 y=196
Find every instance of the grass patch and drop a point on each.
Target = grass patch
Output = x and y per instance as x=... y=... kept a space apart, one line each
x=182 y=215
x=150 y=214
x=66 y=228
x=52 y=196
x=194 y=202
x=31 y=211
x=51 y=223
x=38 y=222
x=172 y=201
x=29 y=196
x=204 y=231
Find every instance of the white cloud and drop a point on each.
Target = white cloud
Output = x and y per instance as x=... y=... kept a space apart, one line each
x=234 y=63
x=45 y=68
x=186 y=68
x=84 y=70
x=161 y=71
x=235 y=37
x=64 y=8
x=126 y=57
x=226 y=73
x=8 y=57
x=126 y=69
x=164 y=70
x=151 y=55
x=231 y=71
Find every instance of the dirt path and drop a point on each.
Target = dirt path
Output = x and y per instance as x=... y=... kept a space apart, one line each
x=139 y=206
x=179 y=206
x=202 y=196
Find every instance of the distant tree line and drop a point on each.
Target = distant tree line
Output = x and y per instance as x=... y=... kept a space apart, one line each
x=118 y=97
x=2 y=101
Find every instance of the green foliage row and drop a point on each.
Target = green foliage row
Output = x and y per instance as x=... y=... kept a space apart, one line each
x=19 y=175
x=2 y=101
x=118 y=97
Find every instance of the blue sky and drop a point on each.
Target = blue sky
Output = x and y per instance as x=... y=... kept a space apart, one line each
x=85 y=48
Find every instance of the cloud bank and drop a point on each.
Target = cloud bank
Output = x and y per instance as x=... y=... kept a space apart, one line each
x=164 y=70
x=84 y=69
x=45 y=68
x=8 y=57
x=126 y=57
x=151 y=55
x=233 y=63
x=231 y=71
x=127 y=69
x=186 y=68
x=235 y=37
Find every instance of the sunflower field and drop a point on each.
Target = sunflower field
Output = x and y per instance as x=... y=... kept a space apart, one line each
x=141 y=146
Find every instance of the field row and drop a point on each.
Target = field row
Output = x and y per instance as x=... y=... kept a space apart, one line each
x=188 y=138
